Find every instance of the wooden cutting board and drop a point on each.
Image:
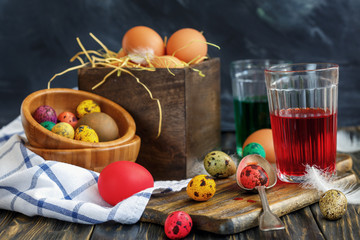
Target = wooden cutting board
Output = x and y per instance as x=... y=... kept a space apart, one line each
x=233 y=210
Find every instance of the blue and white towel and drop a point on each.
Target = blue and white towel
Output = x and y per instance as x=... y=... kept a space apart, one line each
x=33 y=186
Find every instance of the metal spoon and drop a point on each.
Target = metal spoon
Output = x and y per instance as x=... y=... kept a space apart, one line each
x=267 y=220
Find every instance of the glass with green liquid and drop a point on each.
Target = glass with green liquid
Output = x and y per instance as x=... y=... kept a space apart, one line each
x=251 y=110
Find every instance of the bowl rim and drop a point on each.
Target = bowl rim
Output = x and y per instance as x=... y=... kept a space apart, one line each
x=129 y=144
x=25 y=113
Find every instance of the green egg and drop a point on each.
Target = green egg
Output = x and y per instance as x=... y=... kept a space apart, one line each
x=48 y=125
x=254 y=148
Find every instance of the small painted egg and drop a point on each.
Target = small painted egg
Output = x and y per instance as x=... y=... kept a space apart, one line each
x=63 y=129
x=87 y=106
x=68 y=117
x=48 y=125
x=45 y=113
x=333 y=204
x=86 y=134
x=178 y=225
x=253 y=175
x=219 y=165
x=254 y=148
x=201 y=188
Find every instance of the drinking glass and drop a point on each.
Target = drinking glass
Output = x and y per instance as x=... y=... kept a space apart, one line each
x=251 y=109
x=303 y=111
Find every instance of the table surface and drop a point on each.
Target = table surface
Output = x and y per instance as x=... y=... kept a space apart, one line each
x=306 y=223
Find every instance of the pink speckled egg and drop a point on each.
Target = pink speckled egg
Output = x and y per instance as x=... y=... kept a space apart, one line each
x=45 y=113
x=178 y=225
x=254 y=175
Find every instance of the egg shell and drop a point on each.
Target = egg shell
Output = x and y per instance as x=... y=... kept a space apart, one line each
x=86 y=134
x=178 y=225
x=48 y=125
x=264 y=137
x=254 y=148
x=143 y=40
x=120 y=180
x=64 y=129
x=104 y=125
x=333 y=204
x=68 y=117
x=45 y=113
x=254 y=175
x=121 y=53
x=187 y=44
x=201 y=188
x=86 y=107
x=167 y=62
x=219 y=165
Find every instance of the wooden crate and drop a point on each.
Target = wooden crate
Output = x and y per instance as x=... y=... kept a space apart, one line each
x=190 y=114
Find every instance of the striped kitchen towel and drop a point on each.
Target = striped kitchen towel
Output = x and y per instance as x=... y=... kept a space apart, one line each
x=33 y=186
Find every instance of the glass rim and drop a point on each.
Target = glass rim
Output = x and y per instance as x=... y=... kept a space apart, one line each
x=259 y=60
x=325 y=66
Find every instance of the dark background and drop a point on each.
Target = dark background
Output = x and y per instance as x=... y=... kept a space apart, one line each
x=38 y=37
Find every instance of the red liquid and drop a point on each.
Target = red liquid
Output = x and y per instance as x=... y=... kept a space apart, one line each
x=304 y=136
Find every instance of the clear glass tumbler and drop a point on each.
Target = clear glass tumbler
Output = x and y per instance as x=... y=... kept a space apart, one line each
x=303 y=111
x=251 y=109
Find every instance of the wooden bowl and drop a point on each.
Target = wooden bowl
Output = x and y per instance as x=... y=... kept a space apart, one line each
x=94 y=159
x=64 y=99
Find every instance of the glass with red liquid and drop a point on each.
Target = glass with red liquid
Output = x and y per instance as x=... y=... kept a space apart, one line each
x=303 y=112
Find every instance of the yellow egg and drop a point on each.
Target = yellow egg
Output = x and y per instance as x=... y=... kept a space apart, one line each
x=63 y=129
x=263 y=137
x=86 y=134
x=87 y=106
x=201 y=188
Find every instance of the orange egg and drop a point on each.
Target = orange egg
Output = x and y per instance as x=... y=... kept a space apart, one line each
x=121 y=53
x=187 y=44
x=263 y=137
x=144 y=41
x=167 y=62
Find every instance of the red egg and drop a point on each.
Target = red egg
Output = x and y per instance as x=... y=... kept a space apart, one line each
x=254 y=175
x=178 y=225
x=122 y=179
x=68 y=117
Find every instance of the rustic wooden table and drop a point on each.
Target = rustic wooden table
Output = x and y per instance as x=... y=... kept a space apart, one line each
x=307 y=223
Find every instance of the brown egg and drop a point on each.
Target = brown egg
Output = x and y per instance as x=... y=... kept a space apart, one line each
x=263 y=137
x=105 y=127
x=143 y=40
x=187 y=44
x=167 y=61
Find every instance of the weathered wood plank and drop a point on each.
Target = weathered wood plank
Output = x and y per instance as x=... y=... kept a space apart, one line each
x=19 y=226
x=348 y=227
x=233 y=210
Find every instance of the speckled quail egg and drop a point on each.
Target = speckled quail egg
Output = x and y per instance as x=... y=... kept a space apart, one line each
x=254 y=148
x=86 y=107
x=201 y=188
x=86 y=134
x=219 y=165
x=333 y=204
x=64 y=129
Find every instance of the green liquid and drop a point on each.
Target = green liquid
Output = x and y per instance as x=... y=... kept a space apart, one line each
x=251 y=114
